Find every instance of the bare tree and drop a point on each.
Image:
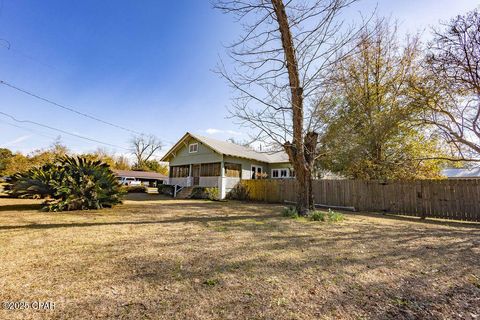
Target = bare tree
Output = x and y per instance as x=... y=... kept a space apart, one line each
x=280 y=64
x=453 y=89
x=144 y=147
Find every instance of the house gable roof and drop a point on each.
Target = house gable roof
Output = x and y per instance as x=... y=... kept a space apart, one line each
x=230 y=149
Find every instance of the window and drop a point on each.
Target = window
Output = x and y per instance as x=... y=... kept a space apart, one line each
x=274 y=173
x=193 y=147
x=210 y=169
x=179 y=171
x=233 y=170
x=280 y=173
x=257 y=172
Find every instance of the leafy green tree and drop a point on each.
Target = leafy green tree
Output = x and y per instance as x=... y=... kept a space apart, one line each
x=373 y=133
x=18 y=163
x=115 y=162
x=22 y=163
x=152 y=165
x=122 y=163
x=70 y=183
x=5 y=159
x=101 y=155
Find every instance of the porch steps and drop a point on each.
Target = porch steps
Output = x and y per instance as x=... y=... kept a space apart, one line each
x=184 y=193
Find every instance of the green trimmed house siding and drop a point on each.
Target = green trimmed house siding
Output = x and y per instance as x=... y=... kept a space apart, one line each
x=246 y=165
x=203 y=155
x=280 y=165
x=284 y=165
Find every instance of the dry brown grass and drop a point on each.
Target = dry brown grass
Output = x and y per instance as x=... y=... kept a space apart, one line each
x=168 y=259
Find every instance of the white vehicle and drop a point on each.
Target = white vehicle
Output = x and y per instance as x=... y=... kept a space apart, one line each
x=130 y=181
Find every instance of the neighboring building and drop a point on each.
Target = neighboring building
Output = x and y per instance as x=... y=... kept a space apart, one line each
x=454 y=173
x=328 y=175
x=206 y=162
x=146 y=178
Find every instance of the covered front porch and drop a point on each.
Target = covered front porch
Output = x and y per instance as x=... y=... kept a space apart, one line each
x=221 y=175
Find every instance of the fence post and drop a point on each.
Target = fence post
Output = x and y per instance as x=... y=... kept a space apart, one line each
x=423 y=214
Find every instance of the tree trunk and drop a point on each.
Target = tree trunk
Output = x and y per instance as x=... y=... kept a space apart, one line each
x=311 y=203
x=295 y=149
x=304 y=191
x=303 y=172
x=304 y=198
x=310 y=145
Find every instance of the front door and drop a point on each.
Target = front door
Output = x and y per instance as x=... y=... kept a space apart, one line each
x=196 y=174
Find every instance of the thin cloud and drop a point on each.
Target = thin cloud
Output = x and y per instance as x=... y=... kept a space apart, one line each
x=218 y=131
x=15 y=142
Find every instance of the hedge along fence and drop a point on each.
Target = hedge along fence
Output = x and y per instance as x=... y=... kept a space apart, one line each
x=446 y=199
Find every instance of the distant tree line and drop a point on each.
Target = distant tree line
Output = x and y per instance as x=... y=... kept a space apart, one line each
x=17 y=162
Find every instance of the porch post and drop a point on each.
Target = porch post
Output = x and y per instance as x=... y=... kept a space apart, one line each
x=221 y=181
x=190 y=175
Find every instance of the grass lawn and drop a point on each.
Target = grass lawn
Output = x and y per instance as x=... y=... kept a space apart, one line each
x=186 y=259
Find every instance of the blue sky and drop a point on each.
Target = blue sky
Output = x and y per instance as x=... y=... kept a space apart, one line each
x=145 y=65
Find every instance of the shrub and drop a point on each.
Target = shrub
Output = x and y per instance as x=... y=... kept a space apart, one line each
x=239 y=192
x=290 y=212
x=334 y=216
x=330 y=216
x=212 y=193
x=318 y=216
x=166 y=189
x=135 y=189
x=72 y=183
x=205 y=193
x=198 y=193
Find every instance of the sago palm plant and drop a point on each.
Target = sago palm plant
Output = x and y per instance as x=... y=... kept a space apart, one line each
x=72 y=183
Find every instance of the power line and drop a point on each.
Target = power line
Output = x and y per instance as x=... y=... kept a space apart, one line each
x=37 y=132
x=69 y=108
x=62 y=131
x=29 y=130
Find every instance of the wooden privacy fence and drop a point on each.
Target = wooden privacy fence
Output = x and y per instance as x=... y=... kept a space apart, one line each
x=447 y=199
